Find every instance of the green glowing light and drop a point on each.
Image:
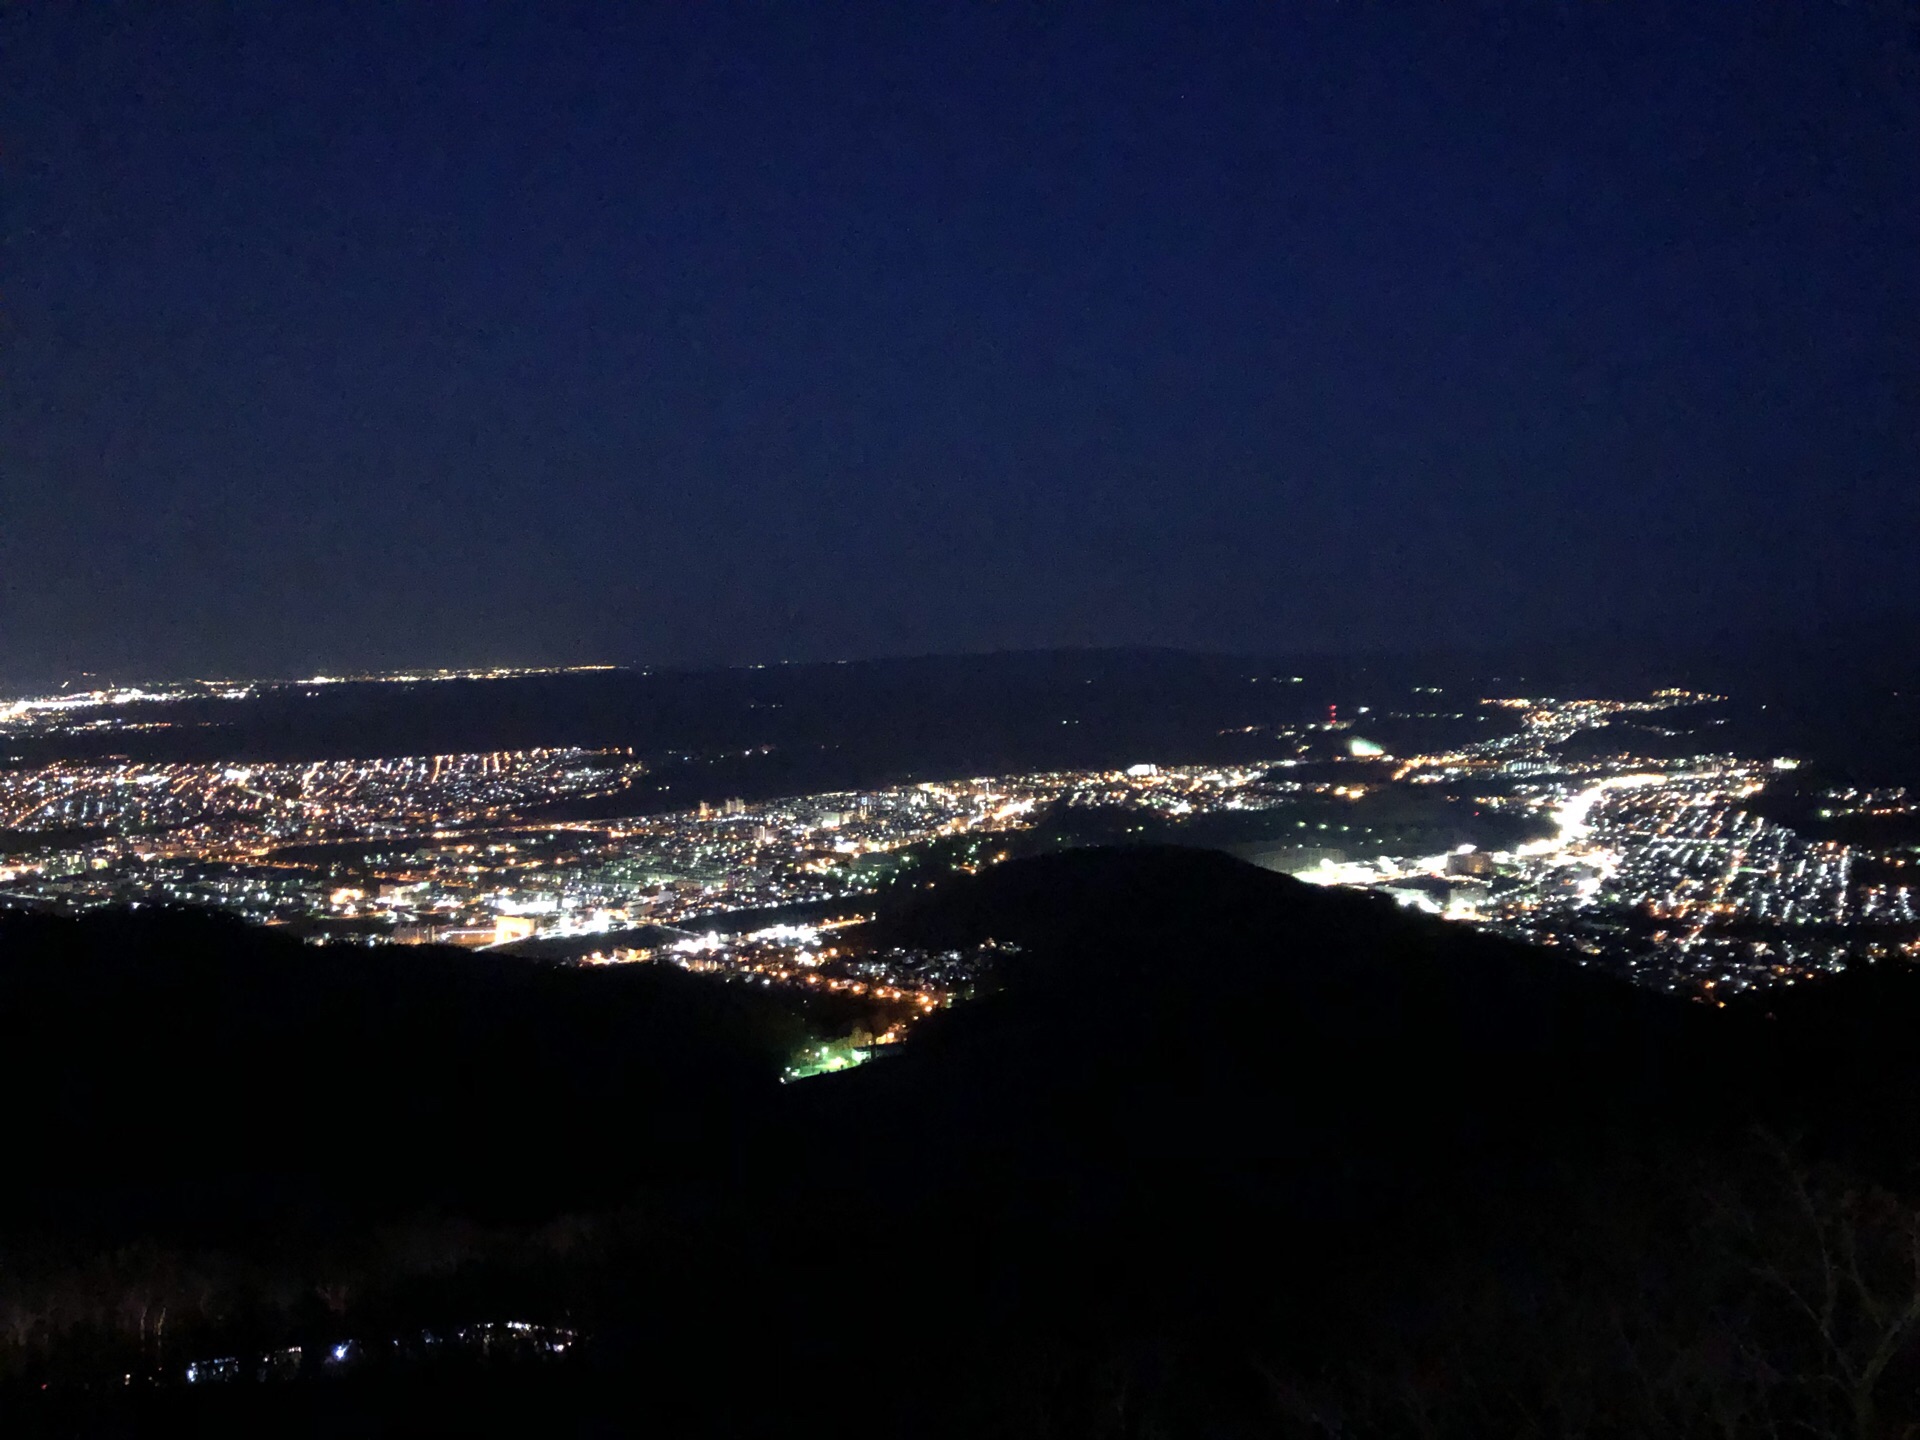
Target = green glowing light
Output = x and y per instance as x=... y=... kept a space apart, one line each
x=826 y=1059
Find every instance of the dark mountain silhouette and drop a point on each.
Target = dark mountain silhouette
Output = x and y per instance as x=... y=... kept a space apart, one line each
x=1223 y=1155
x=191 y=1074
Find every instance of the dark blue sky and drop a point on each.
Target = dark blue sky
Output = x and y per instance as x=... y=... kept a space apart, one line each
x=380 y=335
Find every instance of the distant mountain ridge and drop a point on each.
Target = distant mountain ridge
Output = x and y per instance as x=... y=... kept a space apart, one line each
x=763 y=731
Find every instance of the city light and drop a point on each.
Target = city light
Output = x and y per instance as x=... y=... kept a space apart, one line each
x=1654 y=864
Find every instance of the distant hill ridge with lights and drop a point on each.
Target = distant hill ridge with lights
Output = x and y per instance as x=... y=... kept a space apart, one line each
x=1850 y=698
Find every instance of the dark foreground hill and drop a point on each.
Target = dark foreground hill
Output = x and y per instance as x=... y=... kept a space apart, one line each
x=1225 y=1156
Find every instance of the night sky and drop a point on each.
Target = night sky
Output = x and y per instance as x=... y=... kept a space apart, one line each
x=448 y=334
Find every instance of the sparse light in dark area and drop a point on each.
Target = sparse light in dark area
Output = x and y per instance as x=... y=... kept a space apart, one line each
x=1001 y=720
